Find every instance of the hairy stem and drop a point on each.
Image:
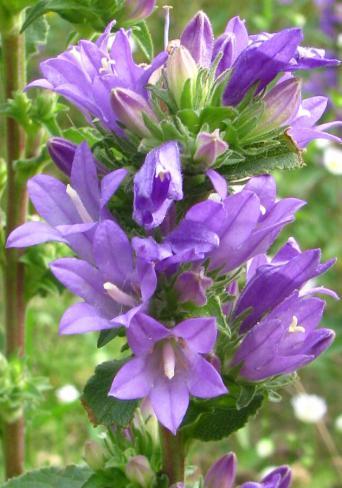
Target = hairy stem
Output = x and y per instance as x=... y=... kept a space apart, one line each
x=173 y=455
x=14 y=76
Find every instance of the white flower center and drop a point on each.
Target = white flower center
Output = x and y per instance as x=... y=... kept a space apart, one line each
x=294 y=327
x=169 y=360
x=118 y=295
x=82 y=211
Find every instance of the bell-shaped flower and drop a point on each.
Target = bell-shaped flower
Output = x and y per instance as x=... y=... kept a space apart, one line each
x=303 y=128
x=278 y=478
x=157 y=184
x=139 y=9
x=222 y=473
x=285 y=340
x=260 y=63
x=87 y=73
x=113 y=291
x=243 y=223
x=271 y=283
x=168 y=366
x=71 y=211
x=62 y=152
x=198 y=38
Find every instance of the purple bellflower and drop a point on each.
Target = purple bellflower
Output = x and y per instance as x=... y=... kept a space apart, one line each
x=223 y=472
x=168 y=366
x=62 y=152
x=273 y=282
x=157 y=184
x=71 y=211
x=243 y=223
x=303 y=128
x=87 y=73
x=113 y=291
x=285 y=340
x=198 y=38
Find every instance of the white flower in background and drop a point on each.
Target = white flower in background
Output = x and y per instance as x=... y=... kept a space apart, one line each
x=332 y=160
x=338 y=423
x=309 y=408
x=265 y=448
x=322 y=143
x=67 y=394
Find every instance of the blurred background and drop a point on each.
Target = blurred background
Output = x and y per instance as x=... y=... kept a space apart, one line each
x=305 y=432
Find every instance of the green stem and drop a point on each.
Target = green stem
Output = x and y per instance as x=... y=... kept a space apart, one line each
x=14 y=76
x=173 y=455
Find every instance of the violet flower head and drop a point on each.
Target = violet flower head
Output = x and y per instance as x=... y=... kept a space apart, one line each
x=278 y=478
x=198 y=38
x=157 y=184
x=273 y=282
x=192 y=285
x=113 y=291
x=168 y=366
x=222 y=473
x=243 y=224
x=71 y=211
x=86 y=74
x=285 y=340
x=230 y=44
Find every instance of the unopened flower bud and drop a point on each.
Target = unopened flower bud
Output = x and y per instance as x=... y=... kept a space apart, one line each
x=222 y=473
x=192 y=285
x=62 y=153
x=139 y=9
x=139 y=471
x=180 y=67
x=129 y=107
x=95 y=455
x=280 y=105
x=209 y=146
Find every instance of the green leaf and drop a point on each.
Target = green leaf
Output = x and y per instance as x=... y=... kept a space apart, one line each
x=36 y=35
x=143 y=38
x=104 y=409
x=108 y=335
x=69 y=477
x=285 y=156
x=107 y=479
x=213 y=116
x=212 y=420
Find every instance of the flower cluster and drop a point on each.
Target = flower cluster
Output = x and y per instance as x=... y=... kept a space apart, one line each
x=167 y=266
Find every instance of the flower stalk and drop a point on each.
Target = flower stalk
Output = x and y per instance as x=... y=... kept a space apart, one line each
x=14 y=76
x=173 y=455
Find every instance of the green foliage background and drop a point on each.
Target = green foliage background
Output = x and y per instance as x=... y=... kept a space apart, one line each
x=56 y=432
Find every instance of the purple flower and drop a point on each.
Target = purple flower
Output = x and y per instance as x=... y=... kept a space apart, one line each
x=168 y=366
x=269 y=284
x=278 y=478
x=87 y=73
x=198 y=38
x=157 y=184
x=222 y=473
x=113 y=291
x=71 y=212
x=62 y=152
x=139 y=9
x=285 y=340
x=303 y=128
x=237 y=228
x=260 y=63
